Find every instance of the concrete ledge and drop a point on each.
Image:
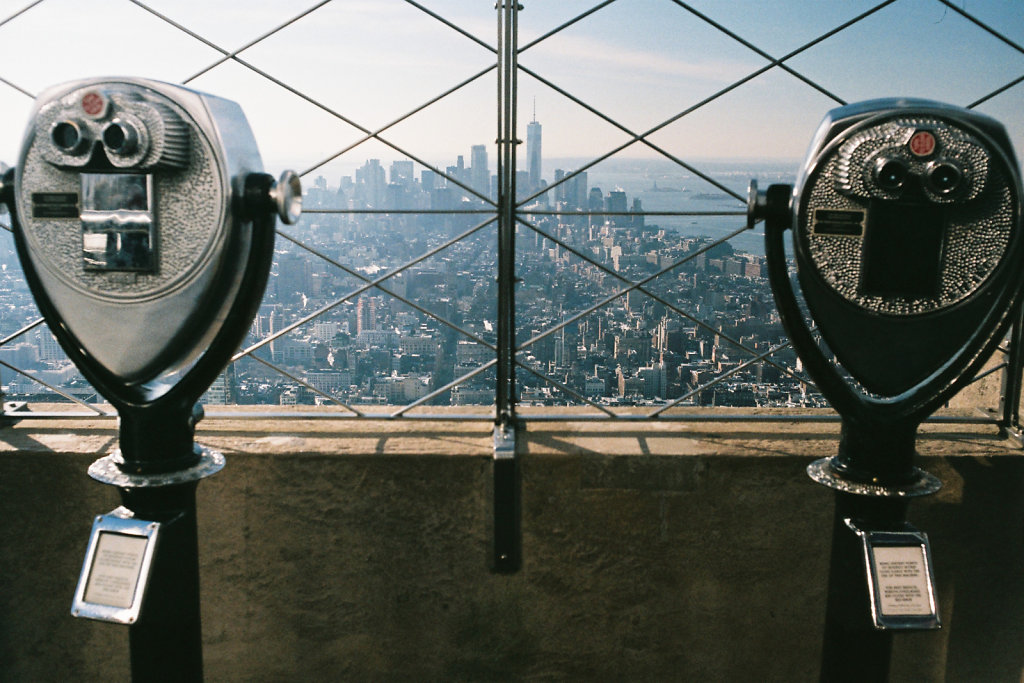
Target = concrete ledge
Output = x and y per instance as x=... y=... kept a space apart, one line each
x=344 y=550
x=309 y=431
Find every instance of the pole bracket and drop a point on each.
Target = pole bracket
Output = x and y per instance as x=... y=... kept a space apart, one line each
x=506 y=509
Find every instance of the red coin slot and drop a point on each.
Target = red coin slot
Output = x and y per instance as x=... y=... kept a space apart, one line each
x=922 y=143
x=93 y=103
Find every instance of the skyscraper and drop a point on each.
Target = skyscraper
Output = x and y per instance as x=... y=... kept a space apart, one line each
x=480 y=175
x=402 y=172
x=366 y=314
x=533 y=151
x=371 y=179
x=616 y=203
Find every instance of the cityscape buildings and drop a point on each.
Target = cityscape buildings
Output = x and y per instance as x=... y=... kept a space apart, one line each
x=705 y=315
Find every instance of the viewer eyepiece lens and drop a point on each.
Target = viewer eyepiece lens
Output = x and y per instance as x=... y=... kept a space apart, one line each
x=66 y=136
x=890 y=174
x=119 y=137
x=944 y=177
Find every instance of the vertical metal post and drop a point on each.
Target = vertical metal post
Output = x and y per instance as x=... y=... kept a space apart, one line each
x=506 y=532
x=1010 y=393
x=166 y=644
x=853 y=649
x=157 y=481
x=506 y=553
x=507 y=142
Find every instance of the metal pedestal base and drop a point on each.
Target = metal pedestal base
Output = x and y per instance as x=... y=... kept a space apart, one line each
x=821 y=472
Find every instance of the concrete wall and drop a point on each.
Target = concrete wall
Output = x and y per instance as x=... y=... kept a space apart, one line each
x=353 y=551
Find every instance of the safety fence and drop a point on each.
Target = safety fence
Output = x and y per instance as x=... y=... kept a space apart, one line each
x=526 y=290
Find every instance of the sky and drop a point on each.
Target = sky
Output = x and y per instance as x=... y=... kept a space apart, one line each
x=640 y=63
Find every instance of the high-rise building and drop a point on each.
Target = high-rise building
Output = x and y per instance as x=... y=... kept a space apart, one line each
x=581 y=188
x=402 y=172
x=523 y=185
x=371 y=179
x=637 y=219
x=616 y=203
x=574 y=191
x=480 y=175
x=459 y=172
x=429 y=180
x=533 y=154
x=48 y=347
x=561 y=189
x=219 y=393
x=366 y=314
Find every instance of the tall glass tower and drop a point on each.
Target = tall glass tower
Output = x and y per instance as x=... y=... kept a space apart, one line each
x=480 y=174
x=533 y=151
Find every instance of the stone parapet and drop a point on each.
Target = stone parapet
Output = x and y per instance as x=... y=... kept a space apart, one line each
x=357 y=550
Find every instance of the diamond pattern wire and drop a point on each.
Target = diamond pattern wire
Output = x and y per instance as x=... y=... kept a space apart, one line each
x=528 y=216
x=643 y=138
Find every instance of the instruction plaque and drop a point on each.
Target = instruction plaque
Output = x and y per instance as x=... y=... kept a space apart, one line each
x=116 y=569
x=901 y=584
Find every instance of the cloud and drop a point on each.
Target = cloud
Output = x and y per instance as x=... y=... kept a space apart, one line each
x=601 y=57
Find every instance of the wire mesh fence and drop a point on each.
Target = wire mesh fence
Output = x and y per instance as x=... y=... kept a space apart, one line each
x=603 y=270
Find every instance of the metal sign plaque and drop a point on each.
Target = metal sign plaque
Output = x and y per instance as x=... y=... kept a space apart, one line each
x=898 y=566
x=116 y=569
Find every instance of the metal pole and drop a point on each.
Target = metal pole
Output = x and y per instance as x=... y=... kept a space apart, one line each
x=157 y=478
x=166 y=642
x=506 y=537
x=874 y=480
x=853 y=649
x=1010 y=393
x=507 y=142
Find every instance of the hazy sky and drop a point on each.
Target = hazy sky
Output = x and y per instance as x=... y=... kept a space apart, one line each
x=640 y=62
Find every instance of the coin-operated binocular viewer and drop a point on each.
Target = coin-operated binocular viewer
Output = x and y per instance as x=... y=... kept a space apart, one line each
x=906 y=221
x=145 y=227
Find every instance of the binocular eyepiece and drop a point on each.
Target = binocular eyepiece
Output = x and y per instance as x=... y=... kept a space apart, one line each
x=940 y=178
x=912 y=159
x=116 y=127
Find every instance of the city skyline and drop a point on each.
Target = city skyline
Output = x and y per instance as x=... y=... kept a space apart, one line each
x=697 y=81
x=394 y=344
x=373 y=62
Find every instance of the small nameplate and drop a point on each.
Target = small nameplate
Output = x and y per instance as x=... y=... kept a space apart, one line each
x=838 y=222
x=55 y=205
x=116 y=568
